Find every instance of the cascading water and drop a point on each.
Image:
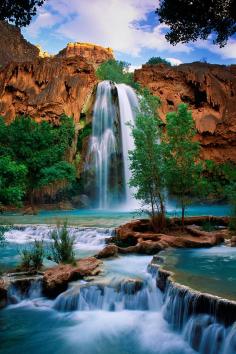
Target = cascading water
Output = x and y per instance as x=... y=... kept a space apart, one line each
x=115 y=106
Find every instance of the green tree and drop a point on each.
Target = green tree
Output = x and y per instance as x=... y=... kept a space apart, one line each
x=183 y=171
x=190 y=20
x=146 y=160
x=42 y=148
x=158 y=60
x=19 y=12
x=116 y=71
x=12 y=181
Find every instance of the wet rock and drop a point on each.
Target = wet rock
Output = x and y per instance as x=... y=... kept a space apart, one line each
x=3 y=294
x=56 y=280
x=109 y=251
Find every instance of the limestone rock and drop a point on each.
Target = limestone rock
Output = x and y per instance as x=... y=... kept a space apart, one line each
x=13 y=46
x=92 y=53
x=109 y=251
x=210 y=92
x=56 y=280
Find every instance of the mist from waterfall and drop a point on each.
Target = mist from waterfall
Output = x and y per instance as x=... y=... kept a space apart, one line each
x=111 y=140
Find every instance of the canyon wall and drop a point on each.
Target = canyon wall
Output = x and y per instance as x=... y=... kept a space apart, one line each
x=210 y=92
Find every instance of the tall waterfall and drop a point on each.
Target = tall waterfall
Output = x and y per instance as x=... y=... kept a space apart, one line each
x=111 y=140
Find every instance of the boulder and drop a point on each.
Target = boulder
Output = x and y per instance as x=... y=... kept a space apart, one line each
x=109 y=251
x=56 y=280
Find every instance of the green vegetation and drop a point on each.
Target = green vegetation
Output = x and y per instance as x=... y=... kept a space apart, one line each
x=62 y=245
x=33 y=158
x=32 y=257
x=158 y=60
x=19 y=12
x=196 y=19
x=83 y=133
x=12 y=181
x=3 y=230
x=147 y=163
x=116 y=71
x=183 y=171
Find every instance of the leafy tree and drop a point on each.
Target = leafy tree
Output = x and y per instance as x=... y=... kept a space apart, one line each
x=158 y=60
x=147 y=164
x=42 y=148
x=19 y=12
x=190 y=20
x=62 y=245
x=12 y=181
x=116 y=71
x=182 y=168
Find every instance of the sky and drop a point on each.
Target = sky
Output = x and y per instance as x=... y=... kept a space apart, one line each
x=130 y=27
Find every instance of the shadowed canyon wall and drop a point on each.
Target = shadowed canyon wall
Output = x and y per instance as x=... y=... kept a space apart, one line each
x=210 y=92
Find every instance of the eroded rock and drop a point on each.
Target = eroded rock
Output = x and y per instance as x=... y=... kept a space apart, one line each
x=55 y=280
x=109 y=251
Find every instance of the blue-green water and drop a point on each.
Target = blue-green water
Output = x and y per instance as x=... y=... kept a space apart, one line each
x=211 y=270
x=104 y=218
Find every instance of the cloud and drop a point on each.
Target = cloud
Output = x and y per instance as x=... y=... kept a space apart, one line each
x=120 y=24
x=174 y=61
x=227 y=52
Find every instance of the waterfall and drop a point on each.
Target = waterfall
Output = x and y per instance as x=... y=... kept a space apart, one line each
x=111 y=140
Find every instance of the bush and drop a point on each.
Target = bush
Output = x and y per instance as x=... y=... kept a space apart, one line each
x=32 y=258
x=3 y=229
x=158 y=60
x=62 y=245
x=116 y=71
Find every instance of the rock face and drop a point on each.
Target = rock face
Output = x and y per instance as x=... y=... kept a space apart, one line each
x=137 y=237
x=109 y=251
x=93 y=54
x=210 y=92
x=14 y=48
x=46 y=88
x=55 y=280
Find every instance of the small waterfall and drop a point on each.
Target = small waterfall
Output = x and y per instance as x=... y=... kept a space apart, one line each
x=116 y=295
x=206 y=323
x=23 y=289
x=107 y=159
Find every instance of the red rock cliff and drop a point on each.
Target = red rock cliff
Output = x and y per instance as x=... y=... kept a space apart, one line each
x=46 y=88
x=210 y=91
x=13 y=46
x=94 y=54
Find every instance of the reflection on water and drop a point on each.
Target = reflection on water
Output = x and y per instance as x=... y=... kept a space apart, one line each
x=210 y=270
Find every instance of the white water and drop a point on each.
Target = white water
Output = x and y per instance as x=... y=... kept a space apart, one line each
x=121 y=311
x=111 y=140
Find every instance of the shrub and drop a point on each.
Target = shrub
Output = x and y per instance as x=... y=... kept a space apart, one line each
x=32 y=258
x=62 y=245
x=116 y=71
x=158 y=60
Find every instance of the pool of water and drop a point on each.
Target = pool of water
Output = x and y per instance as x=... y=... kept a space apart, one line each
x=211 y=270
x=104 y=218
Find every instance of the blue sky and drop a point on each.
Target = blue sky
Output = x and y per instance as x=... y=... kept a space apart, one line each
x=130 y=27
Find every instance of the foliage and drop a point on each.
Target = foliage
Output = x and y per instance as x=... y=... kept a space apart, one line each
x=32 y=257
x=231 y=194
x=181 y=153
x=116 y=71
x=190 y=20
x=158 y=60
x=219 y=177
x=62 y=245
x=41 y=148
x=146 y=162
x=12 y=181
x=19 y=12
x=83 y=133
x=208 y=226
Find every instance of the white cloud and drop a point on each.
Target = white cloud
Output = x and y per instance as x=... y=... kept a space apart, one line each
x=112 y=23
x=174 y=61
x=227 y=52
